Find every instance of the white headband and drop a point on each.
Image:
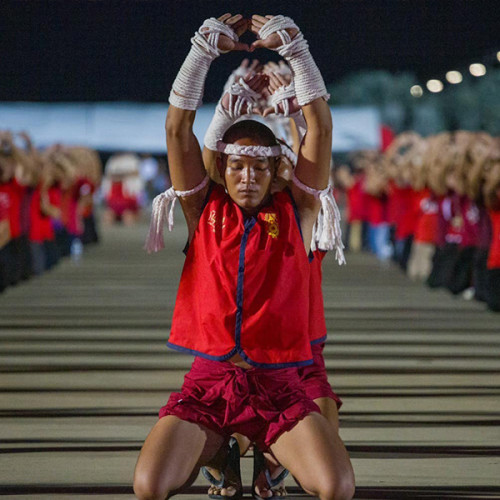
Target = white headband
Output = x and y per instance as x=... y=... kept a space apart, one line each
x=254 y=151
x=236 y=149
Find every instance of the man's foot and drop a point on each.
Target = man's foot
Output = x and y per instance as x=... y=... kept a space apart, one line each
x=268 y=478
x=221 y=487
x=225 y=484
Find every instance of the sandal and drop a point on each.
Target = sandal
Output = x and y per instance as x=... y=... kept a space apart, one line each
x=274 y=485
x=232 y=469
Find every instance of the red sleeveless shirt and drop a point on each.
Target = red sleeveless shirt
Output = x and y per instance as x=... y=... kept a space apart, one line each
x=317 y=324
x=244 y=288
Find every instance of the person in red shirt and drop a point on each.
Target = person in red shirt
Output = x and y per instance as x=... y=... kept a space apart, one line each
x=404 y=157
x=314 y=377
x=491 y=192
x=424 y=211
x=440 y=180
x=19 y=167
x=352 y=183
x=6 y=172
x=244 y=244
x=89 y=179
x=481 y=156
x=122 y=189
x=376 y=188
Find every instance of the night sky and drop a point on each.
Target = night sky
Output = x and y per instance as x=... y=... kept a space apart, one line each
x=131 y=50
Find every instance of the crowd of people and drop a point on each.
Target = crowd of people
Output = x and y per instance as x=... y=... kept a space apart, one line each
x=433 y=205
x=46 y=205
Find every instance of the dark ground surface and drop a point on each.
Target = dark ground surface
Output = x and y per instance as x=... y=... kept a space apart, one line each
x=84 y=369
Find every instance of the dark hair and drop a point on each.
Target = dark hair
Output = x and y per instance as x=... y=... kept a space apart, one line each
x=250 y=129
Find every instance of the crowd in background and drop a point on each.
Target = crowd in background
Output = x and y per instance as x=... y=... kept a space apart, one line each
x=433 y=205
x=430 y=204
x=46 y=205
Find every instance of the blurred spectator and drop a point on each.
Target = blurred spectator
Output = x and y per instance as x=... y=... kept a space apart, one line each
x=122 y=189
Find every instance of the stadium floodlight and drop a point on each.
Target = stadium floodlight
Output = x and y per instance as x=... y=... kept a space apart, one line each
x=454 y=77
x=477 y=69
x=434 y=86
x=417 y=91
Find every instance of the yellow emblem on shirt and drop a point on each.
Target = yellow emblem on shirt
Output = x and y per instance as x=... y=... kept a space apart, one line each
x=212 y=220
x=273 y=229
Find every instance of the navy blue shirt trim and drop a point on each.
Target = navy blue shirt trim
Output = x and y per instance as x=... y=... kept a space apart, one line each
x=249 y=224
x=185 y=350
x=234 y=351
x=319 y=341
x=293 y=364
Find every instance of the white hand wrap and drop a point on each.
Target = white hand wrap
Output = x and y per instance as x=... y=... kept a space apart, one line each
x=327 y=234
x=281 y=96
x=161 y=213
x=240 y=94
x=221 y=121
x=187 y=90
x=309 y=84
x=236 y=75
x=300 y=124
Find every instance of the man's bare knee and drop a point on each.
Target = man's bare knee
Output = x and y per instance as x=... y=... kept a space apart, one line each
x=342 y=488
x=147 y=488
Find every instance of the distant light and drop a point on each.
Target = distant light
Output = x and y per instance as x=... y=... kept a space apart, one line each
x=477 y=69
x=498 y=56
x=417 y=91
x=434 y=85
x=454 y=76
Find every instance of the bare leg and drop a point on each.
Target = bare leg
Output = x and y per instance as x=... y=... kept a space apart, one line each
x=314 y=453
x=172 y=450
x=329 y=410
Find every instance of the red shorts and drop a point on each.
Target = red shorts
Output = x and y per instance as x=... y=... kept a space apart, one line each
x=259 y=403
x=315 y=379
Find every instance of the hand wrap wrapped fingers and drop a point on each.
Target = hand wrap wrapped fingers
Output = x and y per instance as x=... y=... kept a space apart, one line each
x=240 y=95
x=309 y=84
x=187 y=89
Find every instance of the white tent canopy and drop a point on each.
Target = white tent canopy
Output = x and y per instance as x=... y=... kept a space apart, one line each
x=140 y=127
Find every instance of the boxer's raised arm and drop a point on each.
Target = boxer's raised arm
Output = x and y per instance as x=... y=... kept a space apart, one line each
x=189 y=180
x=311 y=188
x=214 y=37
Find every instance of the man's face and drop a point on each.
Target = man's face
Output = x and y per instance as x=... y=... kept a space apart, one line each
x=248 y=179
